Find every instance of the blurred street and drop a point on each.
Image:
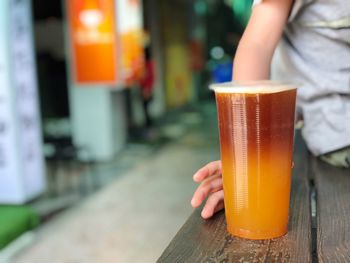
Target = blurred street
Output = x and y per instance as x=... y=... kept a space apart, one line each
x=133 y=218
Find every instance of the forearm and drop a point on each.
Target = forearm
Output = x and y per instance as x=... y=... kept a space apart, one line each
x=258 y=43
x=252 y=62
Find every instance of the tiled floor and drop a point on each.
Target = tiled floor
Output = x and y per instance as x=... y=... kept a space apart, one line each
x=135 y=216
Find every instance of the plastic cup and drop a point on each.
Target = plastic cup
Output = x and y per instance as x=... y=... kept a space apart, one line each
x=256 y=123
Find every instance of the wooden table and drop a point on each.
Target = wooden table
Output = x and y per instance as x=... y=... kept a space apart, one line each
x=319 y=224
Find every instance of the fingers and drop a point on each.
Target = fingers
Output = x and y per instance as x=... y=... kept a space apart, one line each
x=211 y=182
x=214 y=203
x=210 y=169
x=210 y=185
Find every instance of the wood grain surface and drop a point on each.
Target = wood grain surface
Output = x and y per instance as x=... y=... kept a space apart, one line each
x=208 y=241
x=333 y=212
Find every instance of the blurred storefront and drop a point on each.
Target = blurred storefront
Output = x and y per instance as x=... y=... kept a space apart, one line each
x=182 y=37
x=105 y=100
x=90 y=59
x=90 y=54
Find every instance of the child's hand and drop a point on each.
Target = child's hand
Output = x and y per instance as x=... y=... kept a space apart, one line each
x=210 y=180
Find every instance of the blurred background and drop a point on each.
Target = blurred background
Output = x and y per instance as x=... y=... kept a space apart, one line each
x=105 y=114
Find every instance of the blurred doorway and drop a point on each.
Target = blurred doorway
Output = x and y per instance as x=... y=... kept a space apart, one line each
x=51 y=62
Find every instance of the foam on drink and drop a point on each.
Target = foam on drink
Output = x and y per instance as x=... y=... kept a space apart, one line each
x=253 y=87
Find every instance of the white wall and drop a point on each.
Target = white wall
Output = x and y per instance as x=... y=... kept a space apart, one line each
x=98 y=120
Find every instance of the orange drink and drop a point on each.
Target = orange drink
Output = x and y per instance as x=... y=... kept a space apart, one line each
x=256 y=123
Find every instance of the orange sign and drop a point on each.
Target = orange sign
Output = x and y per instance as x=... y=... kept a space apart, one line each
x=93 y=40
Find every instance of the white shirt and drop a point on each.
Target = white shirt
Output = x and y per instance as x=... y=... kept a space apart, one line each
x=314 y=52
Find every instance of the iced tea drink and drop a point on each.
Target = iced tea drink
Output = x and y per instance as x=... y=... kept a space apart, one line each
x=256 y=123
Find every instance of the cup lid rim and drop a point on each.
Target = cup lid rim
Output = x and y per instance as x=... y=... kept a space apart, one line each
x=264 y=86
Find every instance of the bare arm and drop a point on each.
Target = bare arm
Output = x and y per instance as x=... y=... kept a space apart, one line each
x=259 y=41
